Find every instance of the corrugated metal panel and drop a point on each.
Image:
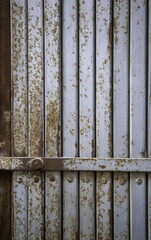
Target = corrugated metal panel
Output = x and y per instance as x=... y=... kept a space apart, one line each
x=5 y=127
x=138 y=115
x=149 y=115
x=120 y=115
x=35 y=116
x=80 y=89
x=104 y=116
x=19 y=111
x=27 y=122
x=70 y=115
x=86 y=115
x=52 y=28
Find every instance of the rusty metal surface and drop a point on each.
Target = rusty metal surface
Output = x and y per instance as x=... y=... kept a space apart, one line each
x=138 y=115
x=35 y=78
x=149 y=206
x=70 y=205
x=53 y=205
x=73 y=86
x=104 y=116
x=19 y=77
x=20 y=205
x=149 y=116
x=78 y=164
x=5 y=205
x=70 y=115
x=27 y=208
x=19 y=116
x=104 y=201
x=52 y=23
x=104 y=78
x=35 y=206
x=120 y=116
x=35 y=117
x=5 y=77
x=121 y=205
x=87 y=115
x=5 y=106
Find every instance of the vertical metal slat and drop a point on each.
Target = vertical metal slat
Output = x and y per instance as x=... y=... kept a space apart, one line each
x=138 y=116
x=5 y=126
x=35 y=116
x=149 y=114
x=121 y=116
x=20 y=202
x=19 y=115
x=103 y=116
x=70 y=115
x=52 y=23
x=87 y=124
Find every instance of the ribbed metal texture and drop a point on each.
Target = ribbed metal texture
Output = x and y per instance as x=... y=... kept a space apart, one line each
x=81 y=88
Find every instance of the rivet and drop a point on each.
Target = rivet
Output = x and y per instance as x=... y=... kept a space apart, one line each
x=36 y=179
x=104 y=180
x=87 y=180
x=36 y=163
x=138 y=181
x=19 y=180
x=122 y=181
x=52 y=178
x=70 y=179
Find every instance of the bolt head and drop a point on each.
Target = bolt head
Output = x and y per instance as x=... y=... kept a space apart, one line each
x=70 y=179
x=52 y=178
x=104 y=180
x=19 y=179
x=87 y=180
x=36 y=179
x=138 y=181
x=122 y=181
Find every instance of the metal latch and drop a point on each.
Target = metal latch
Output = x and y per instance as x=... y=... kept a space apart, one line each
x=75 y=164
x=35 y=164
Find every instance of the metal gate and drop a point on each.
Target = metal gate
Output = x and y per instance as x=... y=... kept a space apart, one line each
x=80 y=120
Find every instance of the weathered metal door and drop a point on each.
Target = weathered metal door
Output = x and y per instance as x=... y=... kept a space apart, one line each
x=80 y=120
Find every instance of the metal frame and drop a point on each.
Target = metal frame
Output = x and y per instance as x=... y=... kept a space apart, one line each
x=76 y=164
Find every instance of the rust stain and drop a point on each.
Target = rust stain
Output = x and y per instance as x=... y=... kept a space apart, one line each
x=53 y=121
x=93 y=148
x=35 y=118
x=35 y=80
x=19 y=113
x=109 y=33
x=18 y=63
x=144 y=153
x=5 y=79
x=5 y=107
x=116 y=30
x=52 y=18
x=53 y=128
x=104 y=205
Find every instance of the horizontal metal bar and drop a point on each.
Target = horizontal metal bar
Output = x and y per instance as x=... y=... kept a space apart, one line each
x=76 y=164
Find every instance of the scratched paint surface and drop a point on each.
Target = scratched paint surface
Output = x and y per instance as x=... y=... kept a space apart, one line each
x=149 y=118
x=5 y=126
x=19 y=76
x=52 y=20
x=70 y=115
x=35 y=117
x=138 y=147
x=104 y=116
x=86 y=111
x=27 y=60
x=19 y=112
x=79 y=71
x=120 y=112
